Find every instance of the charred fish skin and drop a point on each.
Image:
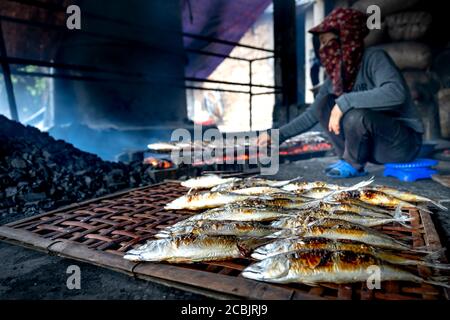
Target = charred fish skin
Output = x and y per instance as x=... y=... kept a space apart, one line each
x=372 y=197
x=187 y=249
x=304 y=243
x=408 y=196
x=313 y=267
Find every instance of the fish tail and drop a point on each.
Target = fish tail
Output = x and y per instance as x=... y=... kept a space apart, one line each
x=360 y=185
x=357 y=186
x=434 y=255
x=439 y=205
x=423 y=208
x=401 y=217
x=422 y=249
x=435 y=265
x=283 y=183
x=439 y=281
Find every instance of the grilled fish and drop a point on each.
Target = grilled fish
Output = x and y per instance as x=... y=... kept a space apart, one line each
x=408 y=196
x=342 y=230
x=364 y=210
x=204 y=200
x=313 y=267
x=317 y=193
x=234 y=213
x=188 y=249
x=207 y=182
x=374 y=197
x=294 y=222
x=219 y=228
x=302 y=243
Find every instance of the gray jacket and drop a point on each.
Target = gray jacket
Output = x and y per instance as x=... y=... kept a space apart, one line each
x=379 y=86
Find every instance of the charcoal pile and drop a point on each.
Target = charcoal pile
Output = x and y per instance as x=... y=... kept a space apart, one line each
x=39 y=173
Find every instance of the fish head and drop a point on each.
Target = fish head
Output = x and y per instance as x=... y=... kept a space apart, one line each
x=184 y=201
x=153 y=250
x=268 y=269
x=178 y=203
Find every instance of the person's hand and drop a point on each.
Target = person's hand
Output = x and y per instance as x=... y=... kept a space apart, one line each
x=335 y=118
x=263 y=140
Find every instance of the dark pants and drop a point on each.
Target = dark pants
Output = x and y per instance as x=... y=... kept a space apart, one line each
x=370 y=136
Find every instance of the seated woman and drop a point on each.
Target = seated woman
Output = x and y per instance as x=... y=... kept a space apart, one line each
x=364 y=105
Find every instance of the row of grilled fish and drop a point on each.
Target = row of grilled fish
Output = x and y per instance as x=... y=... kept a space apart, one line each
x=302 y=232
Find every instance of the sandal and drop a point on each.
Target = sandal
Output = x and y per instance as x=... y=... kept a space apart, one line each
x=333 y=165
x=345 y=170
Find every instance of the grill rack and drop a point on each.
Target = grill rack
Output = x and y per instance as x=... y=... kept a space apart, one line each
x=100 y=231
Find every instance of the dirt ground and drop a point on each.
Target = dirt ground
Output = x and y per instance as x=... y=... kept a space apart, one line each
x=31 y=275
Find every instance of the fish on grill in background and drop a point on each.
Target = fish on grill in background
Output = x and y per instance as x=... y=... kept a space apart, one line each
x=408 y=196
x=189 y=249
x=343 y=230
x=219 y=228
x=298 y=220
x=207 y=182
x=303 y=243
x=312 y=267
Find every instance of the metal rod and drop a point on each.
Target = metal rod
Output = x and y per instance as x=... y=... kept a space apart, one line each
x=21 y=61
x=214 y=54
x=231 y=83
x=263 y=58
x=123 y=41
x=56 y=8
x=216 y=89
x=120 y=39
x=266 y=92
x=94 y=79
x=225 y=42
x=7 y=77
x=250 y=73
x=66 y=66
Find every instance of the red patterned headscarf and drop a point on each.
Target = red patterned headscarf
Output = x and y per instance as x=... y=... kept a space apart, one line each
x=342 y=57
